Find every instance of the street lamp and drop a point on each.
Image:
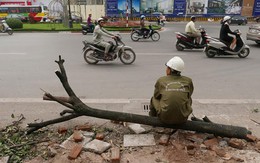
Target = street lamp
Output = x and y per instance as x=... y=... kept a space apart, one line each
x=70 y=19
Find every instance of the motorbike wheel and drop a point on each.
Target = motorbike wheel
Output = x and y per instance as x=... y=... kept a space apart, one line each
x=155 y=36
x=128 y=57
x=178 y=47
x=244 y=53
x=135 y=36
x=10 y=32
x=88 y=56
x=210 y=53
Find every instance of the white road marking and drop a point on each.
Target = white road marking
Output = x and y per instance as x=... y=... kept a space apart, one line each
x=173 y=53
x=13 y=53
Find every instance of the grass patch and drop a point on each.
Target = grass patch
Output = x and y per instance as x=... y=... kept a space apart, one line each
x=76 y=27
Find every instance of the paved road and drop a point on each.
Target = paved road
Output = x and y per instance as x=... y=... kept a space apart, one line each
x=27 y=65
x=226 y=88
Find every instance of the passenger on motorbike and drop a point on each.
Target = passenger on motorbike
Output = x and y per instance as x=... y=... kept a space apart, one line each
x=4 y=26
x=144 y=30
x=191 y=30
x=225 y=30
x=98 y=34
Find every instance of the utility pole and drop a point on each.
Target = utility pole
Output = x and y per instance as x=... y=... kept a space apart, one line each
x=70 y=19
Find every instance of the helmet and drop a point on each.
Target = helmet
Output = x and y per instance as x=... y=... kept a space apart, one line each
x=100 y=19
x=142 y=16
x=176 y=63
x=226 y=18
x=192 y=17
x=3 y=21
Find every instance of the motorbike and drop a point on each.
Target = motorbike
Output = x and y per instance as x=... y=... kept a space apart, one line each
x=137 y=34
x=184 y=41
x=93 y=53
x=160 y=22
x=5 y=28
x=86 y=29
x=219 y=47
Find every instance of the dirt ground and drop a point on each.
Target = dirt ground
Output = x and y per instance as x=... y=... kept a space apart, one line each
x=182 y=146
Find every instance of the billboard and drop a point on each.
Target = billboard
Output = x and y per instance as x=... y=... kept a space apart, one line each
x=173 y=8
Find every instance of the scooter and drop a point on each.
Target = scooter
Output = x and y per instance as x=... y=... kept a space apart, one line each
x=218 y=47
x=5 y=28
x=93 y=53
x=184 y=41
x=137 y=34
x=86 y=29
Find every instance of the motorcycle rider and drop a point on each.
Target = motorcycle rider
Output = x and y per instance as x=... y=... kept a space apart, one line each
x=90 y=23
x=191 y=30
x=98 y=34
x=172 y=101
x=4 y=26
x=144 y=30
x=225 y=30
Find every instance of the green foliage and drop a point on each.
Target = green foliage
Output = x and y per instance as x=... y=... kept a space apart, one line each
x=14 y=23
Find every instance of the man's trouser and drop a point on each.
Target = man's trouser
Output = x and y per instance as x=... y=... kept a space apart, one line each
x=106 y=45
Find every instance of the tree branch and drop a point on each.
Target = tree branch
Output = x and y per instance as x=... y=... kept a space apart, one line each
x=80 y=109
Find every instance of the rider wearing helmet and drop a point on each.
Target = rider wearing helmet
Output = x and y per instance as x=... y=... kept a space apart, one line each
x=144 y=30
x=98 y=34
x=191 y=30
x=3 y=26
x=171 y=101
x=225 y=30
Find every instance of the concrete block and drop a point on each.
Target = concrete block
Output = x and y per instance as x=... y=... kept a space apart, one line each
x=70 y=143
x=136 y=128
x=4 y=159
x=139 y=140
x=97 y=146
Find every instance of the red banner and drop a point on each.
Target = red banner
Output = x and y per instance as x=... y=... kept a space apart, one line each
x=16 y=3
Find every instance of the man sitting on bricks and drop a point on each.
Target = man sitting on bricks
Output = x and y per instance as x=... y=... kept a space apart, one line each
x=172 y=101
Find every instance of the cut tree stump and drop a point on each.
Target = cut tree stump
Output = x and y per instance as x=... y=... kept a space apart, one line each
x=77 y=108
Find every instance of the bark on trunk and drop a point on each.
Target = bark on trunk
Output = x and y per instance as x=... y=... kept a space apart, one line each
x=78 y=108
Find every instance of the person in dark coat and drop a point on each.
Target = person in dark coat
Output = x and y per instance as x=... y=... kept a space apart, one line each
x=171 y=101
x=225 y=30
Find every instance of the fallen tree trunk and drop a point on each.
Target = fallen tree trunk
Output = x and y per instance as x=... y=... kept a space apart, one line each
x=78 y=108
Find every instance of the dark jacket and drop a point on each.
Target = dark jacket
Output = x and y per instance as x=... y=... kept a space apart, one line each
x=224 y=31
x=172 y=98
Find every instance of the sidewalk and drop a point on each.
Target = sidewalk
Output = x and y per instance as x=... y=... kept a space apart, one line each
x=244 y=113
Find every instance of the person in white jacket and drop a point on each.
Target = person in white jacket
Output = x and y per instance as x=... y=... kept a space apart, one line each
x=98 y=34
x=191 y=30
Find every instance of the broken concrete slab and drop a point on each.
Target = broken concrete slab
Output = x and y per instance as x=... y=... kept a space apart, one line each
x=70 y=143
x=4 y=159
x=97 y=146
x=136 y=128
x=139 y=140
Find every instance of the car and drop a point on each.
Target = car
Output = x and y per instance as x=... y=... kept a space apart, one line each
x=237 y=19
x=240 y=20
x=17 y=16
x=76 y=18
x=253 y=33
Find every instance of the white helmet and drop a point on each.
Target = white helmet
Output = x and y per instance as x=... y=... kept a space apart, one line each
x=3 y=21
x=142 y=16
x=100 y=19
x=176 y=63
x=226 y=18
